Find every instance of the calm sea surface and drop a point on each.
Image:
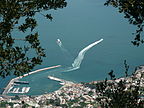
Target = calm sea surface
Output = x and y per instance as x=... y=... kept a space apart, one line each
x=78 y=25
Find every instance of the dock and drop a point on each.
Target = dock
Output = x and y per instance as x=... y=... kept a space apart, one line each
x=40 y=70
x=63 y=82
x=11 y=82
x=21 y=82
x=17 y=90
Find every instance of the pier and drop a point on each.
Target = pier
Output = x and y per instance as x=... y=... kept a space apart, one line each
x=63 y=82
x=40 y=70
x=12 y=81
x=21 y=82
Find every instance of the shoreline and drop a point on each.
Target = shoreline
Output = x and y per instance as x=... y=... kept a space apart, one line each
x=11 y=82
x=86 y=93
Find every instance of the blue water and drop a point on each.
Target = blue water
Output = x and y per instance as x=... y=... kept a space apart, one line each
x=79 y=24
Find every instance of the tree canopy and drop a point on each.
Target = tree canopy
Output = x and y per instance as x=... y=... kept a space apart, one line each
x=134 y=11
x=16 y=59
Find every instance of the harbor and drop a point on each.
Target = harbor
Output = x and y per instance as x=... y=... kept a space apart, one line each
x=15 y=81
x=19 y=90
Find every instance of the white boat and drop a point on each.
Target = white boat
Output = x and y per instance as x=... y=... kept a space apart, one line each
x=59 y=42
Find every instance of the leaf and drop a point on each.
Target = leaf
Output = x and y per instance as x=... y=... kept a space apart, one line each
x=48 y=16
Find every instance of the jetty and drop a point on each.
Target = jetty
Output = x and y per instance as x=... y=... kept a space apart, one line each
x=12 y=81
x=63 y=82
x=21 y=82
x=40 y=70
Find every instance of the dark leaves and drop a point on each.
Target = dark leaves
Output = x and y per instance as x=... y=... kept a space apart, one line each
x=19 y=59
x=48 y=16
x=134 y=11
x=29 y=23
x=111 y=74
x=122 y=94
x=126 y=68
x=33 y=40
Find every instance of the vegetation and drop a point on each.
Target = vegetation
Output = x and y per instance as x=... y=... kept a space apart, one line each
x=4 y=104
x=19 y=15
x=119 y=98
x=133 y=11
x=126 y=93
x=15 y=59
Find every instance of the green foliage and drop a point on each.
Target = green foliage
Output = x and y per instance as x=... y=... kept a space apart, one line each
x=20 y=59
x=134 y=11
x=4 y=104
x=119 y=95
x=112 y=76
x=126 y=68
x=16 y=97
x=82 y=105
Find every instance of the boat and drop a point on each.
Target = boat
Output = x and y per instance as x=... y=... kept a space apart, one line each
x=21 y=82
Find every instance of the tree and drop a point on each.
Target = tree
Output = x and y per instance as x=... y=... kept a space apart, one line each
x=112 y=76
x=134 y=11
x=14 y=58
x=124 y=93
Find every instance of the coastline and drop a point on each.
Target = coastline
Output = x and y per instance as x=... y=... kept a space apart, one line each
x=77 y=94
x=11 y=82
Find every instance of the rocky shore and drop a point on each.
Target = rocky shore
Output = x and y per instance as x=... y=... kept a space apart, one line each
x=84 y=95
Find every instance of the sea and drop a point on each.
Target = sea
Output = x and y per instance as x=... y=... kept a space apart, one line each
x=78 y=25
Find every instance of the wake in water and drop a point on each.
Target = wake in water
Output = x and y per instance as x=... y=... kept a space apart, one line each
x=80 y=57
x=76 y=63
x=64 y=50
x=78 y=60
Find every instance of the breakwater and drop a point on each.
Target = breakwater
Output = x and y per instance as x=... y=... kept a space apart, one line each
x=12 y=81
x=63 y=82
